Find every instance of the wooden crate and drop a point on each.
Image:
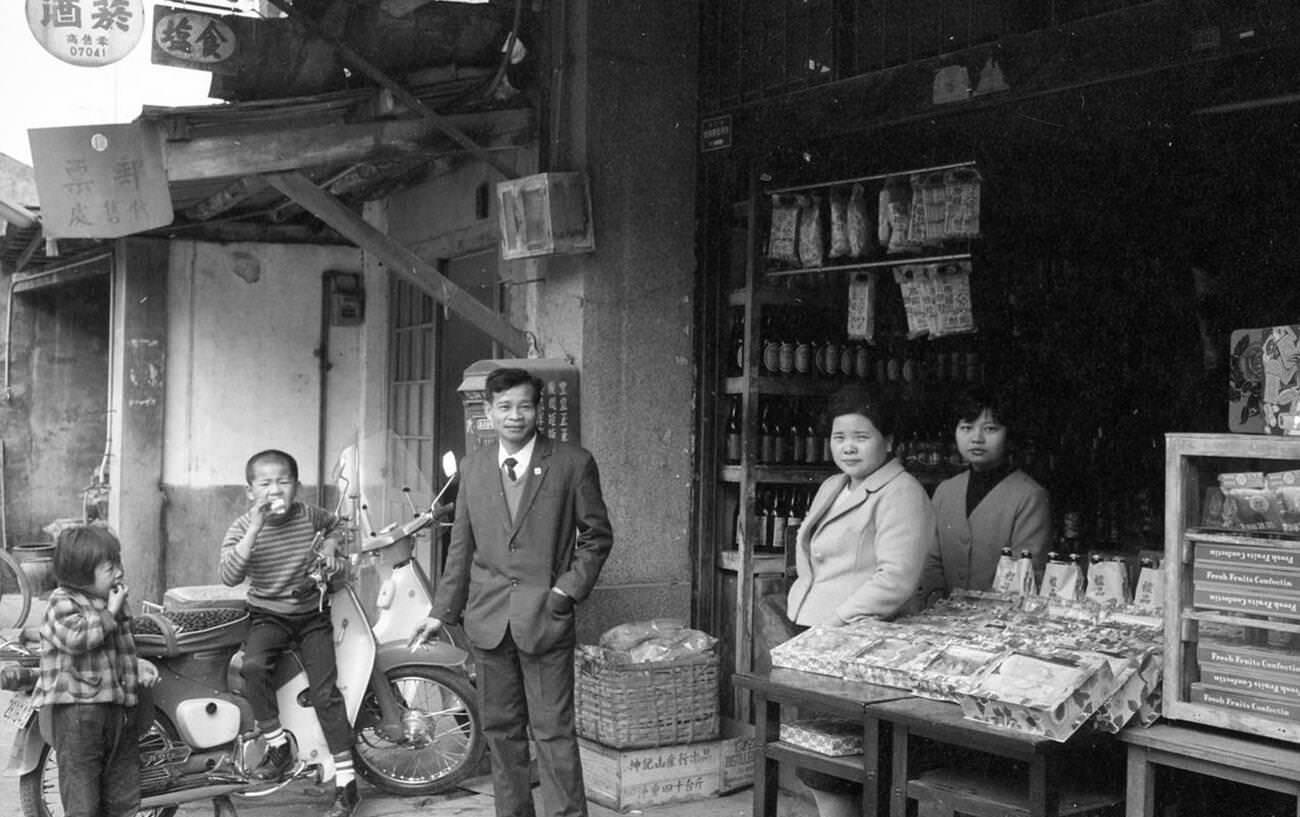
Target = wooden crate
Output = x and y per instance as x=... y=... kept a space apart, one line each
x=625 y=779
x=1217 y=591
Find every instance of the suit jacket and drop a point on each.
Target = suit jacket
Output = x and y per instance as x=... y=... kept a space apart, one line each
x=865 y=560
x=1015 y=514
x=500 y=572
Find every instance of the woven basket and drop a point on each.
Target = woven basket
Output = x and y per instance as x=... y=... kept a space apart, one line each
x=651 y=704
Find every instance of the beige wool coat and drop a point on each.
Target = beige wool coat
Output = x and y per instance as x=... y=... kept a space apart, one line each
x=866 y=559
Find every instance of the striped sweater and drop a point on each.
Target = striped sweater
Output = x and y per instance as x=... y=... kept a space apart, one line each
x=282 y=554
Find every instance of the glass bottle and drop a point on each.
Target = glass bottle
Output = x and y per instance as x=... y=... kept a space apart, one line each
x=812 y=443
x=737 y=362
x=780 y=447
x=779 y=511
x=794 y=433
x=734 y=447
x=766 y=437
x=793 y=520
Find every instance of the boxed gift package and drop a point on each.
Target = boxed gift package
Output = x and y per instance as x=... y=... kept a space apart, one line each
x=827 y=736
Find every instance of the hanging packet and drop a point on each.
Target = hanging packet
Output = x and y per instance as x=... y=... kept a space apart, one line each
x=812 y=235
x=862 y=243
x=783 y=235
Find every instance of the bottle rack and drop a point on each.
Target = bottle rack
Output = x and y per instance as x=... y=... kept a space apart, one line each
x=787 y=352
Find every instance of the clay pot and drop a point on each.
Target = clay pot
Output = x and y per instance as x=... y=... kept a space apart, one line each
x=36 y=559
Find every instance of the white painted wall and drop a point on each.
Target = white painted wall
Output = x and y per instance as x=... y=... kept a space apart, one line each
x=243 y=373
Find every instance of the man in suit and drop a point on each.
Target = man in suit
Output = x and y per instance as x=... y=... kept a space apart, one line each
x=529 y=539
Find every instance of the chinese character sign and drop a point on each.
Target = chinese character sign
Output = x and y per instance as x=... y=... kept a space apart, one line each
x=188 y=39
x=87 y=32
x=100 y=181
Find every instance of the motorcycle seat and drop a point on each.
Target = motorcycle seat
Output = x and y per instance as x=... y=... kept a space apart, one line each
x=178 y=632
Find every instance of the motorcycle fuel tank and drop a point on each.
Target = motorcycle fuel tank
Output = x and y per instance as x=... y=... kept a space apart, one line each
x=207 y=722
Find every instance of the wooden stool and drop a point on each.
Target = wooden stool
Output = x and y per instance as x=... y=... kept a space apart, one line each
x=1240 y=758
x=951 y=792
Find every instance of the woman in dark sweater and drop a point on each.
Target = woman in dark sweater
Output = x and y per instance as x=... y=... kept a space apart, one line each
x=989 y=506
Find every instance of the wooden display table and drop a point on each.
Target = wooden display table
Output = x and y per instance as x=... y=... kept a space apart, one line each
x=947 y=792
x=888 y=784
x=824 y=695
x=1253 y=761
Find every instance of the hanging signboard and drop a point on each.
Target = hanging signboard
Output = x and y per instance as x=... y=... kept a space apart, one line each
x=715 y=132
x=192 y=39
x=87 y=32
x=100 y=181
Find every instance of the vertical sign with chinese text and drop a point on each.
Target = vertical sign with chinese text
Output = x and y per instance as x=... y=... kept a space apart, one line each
x=100 y=181
x=87 y=32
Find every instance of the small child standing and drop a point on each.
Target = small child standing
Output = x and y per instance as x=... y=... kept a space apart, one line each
x=272 y=546
x=90 y=677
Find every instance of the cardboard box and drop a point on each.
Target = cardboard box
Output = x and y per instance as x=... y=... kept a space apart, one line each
x=1263 y=580
x=1234 y=599
x=545 y=214
x=1273 y=708
x=1051 y=695
x=827 y=736
x=625 y=779
x=1271 y=558
x=1249 y=659
x=1276 y=686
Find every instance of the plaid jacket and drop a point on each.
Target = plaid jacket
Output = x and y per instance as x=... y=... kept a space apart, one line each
x=86 y=655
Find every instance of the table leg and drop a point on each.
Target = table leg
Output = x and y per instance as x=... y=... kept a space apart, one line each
x=767 y=726
x=1139 y=784
x=898 y=772
x=875 y=790
x=1044 y=786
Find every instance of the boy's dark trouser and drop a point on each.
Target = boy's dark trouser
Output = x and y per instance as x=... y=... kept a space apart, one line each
x=271 y=635
x=98 y=750
x=518 y=690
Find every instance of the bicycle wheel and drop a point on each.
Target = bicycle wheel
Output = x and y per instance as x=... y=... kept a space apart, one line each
x=15 y=593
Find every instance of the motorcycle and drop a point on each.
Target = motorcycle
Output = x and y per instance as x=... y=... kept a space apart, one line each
x=416 y=726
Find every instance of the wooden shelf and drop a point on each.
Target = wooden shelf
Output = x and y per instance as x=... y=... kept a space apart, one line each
x=807 y=474
x=765 y=564
x=1242 y=620
x=896 y=261
x=780 y=297
x=1260 y=538
x=797 y=385
x=848 y=767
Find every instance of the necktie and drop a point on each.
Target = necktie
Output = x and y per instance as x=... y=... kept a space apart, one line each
x=510 y=463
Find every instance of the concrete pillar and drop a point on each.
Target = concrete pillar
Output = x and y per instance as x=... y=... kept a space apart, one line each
x=139 y=368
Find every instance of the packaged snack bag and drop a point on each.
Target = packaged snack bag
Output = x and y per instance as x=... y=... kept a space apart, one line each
x=1107 y=581
x=1004 y=576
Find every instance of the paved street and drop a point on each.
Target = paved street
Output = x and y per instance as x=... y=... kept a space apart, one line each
x=473 y=801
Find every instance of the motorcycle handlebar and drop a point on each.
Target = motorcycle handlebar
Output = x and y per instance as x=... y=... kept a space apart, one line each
x=398 y=532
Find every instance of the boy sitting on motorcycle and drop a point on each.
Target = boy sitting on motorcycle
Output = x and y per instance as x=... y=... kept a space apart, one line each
x=90 y=677
x=276 y=545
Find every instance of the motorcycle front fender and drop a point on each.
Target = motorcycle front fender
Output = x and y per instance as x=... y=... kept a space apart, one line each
x=437 y=653
x=26 y=754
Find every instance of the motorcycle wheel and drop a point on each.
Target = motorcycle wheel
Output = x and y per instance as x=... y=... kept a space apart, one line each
x=448 y=747
x=38 y=790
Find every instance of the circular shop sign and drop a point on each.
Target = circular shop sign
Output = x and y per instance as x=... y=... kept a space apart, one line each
x=87 y=32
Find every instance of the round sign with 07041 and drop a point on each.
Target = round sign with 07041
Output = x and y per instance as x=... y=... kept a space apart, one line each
x=86 y=33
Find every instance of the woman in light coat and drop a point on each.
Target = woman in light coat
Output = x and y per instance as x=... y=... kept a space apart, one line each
x=862 y=546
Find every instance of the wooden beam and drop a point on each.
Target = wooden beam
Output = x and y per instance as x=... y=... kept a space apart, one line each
x=363 y=66
x=287 y=149
x=401 y=261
